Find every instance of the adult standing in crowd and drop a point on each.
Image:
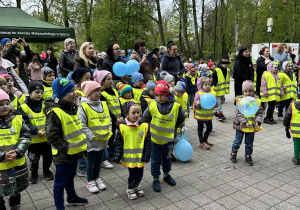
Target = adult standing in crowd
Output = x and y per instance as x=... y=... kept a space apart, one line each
x=140 y=54
x=51 y=60
x=5 y=42
x=281 y=54
x=243 y=70
x=66 y=58
x=261 y=66
x=172 y=62
x=13 y=55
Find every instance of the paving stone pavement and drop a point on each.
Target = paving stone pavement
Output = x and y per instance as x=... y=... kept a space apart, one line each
x=208 y=181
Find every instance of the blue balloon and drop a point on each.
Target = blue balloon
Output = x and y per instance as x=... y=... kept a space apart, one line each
x=248 y=106
x=183 y=150
x=208 y=101
x=119 y=69
x=132 y=66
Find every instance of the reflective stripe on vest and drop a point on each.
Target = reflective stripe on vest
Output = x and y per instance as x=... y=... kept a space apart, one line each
x=48 y=92
x=98 y=123
x=250 y=120
x=123 y=100
x=222 y=87
x=204 y=114
x=134 y=139
x=273 y=88
x=290 y=85
x=183 y=100
x=9 y=141
x=72 y=131
x=22 y=99
x=113 y=103
x=137 y=93
x=36 y=119
x=162 y=127
x=295 y=122
x=255 y=80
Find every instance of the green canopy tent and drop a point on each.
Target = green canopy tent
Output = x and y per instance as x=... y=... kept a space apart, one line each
x=15 y=23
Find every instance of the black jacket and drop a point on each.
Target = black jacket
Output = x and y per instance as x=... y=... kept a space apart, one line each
x=190 y=88
x=67 y=62
x=55 y=134
x=243 y=71
x=52 y=62
x=12 y=55
x=173 y=65
x=215 y=75
x=108 y=64
x=144 y=105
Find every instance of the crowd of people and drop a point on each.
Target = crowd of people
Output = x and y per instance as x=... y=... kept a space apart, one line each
x=78 y=114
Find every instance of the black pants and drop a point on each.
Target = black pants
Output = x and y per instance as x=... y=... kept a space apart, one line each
x=34 y=153
x=135 y=177
x=14 y=200
x=270 y=111
x=208 y=124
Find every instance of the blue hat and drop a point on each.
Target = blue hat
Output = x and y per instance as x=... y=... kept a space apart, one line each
x=78 y=74
x=69 y=76
x=206 y=74
x=136 y=77
x=4 y=40
x=61 y=87
x=129 y=51
x=150 y=86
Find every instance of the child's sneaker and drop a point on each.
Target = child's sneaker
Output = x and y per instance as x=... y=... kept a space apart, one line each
x=131 y=194
x=33 y=178
x=216 y=115
x=170 y=180
x=209 y=144
x=100 y=184
x=139 y=191
x=107 y=165
x=221 y=116
x=233 y=157
x=92 y=187
x=249 y=160
x=296 y=161
x=49 y=175
x=78 y=201
x=156 y=185
x=204 y=146
x=81 y=173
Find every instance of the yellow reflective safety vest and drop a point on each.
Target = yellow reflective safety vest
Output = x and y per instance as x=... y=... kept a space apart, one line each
x=124 y=100
x=250 y=120
x=36 y=119
x=98 y=122
x=48 y=92
x=193 y=78
x=148 y=99
x=72 y=131
x=134 y=139
x=183 y=100
x=295 y=122
x=273 y=88
x=154 y=78
x=204 y=114
x=137 y=93
x=255 y=80
x=113 y=103
x=22 y=99
x=9 y=139
x=222 y=87
x=80 y=93
x=162 y=127
x=290 y=85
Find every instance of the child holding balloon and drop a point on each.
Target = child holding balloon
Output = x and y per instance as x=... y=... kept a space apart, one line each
x=202 y=115
x=246 y=125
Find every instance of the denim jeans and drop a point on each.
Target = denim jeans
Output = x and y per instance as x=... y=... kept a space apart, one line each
x=220 y=100
x=208 y=124
x=135 y=177
x=82 y=165
x=249 y=139
x=93 y=166
x=161 y=155
x=111 y=143
x=284 y=105
x=64 y=180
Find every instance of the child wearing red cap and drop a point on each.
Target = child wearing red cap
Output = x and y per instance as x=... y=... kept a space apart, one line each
x=168 y=117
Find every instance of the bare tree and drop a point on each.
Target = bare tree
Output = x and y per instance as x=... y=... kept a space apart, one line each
x=183 y=16
x=196 y=28
x=215 y=29
x=202 y=29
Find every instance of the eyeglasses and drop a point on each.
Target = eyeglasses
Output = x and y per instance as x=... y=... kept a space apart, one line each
x=174 y=49
x=117 y=49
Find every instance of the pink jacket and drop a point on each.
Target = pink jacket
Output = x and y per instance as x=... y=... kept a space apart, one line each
x=35 y=71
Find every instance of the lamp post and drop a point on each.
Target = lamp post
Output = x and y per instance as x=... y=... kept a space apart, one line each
x=269 y=25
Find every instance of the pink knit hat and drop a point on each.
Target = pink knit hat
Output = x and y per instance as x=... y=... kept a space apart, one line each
x=89 y=86
x=95 y=75
x=43 y=55
x=3 y=96
x=189 y=66
x=247 y=85
x=101 y=75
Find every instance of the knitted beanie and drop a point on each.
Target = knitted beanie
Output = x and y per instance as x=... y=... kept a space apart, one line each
x=89 y=86
x=150 y=86
x=126 y=106
x=101 y=75
x=3 y=95
x=78 y=74
x=180 y=87
x=43 y=55
x=162 y=88
x=61 y=87
x=124 y=88
x=164 y=75
x=35 y=85
x=210 y=64
x=46 y=71
x=247 y=85
x=4 y=40
x=136 y=77
x=189 y=66
x=95 y=75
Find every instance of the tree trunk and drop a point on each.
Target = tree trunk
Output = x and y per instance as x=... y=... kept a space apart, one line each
x=65 y=13
x=18 y=3
x=199 y=51
x=46 y=18
x=215 y=31
x=202 y=29
x=87 y=21
x=181 y=47
x=221 y=28
x=184 y=27
x=160 y=23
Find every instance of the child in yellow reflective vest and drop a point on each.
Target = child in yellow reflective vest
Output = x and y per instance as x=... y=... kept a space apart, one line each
x=14 y=142
x=133 y=147
x=148 y=96
x=137 y=80
x=125 y=95
x=10 y=86
x=48 y=77
x=181 y=97
x=170 y=79
x=33 y=114
x=14 y=103
x=147 y=78
x=204 y=116
x=246 y=125
x=95 y=119
x=190 y=80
